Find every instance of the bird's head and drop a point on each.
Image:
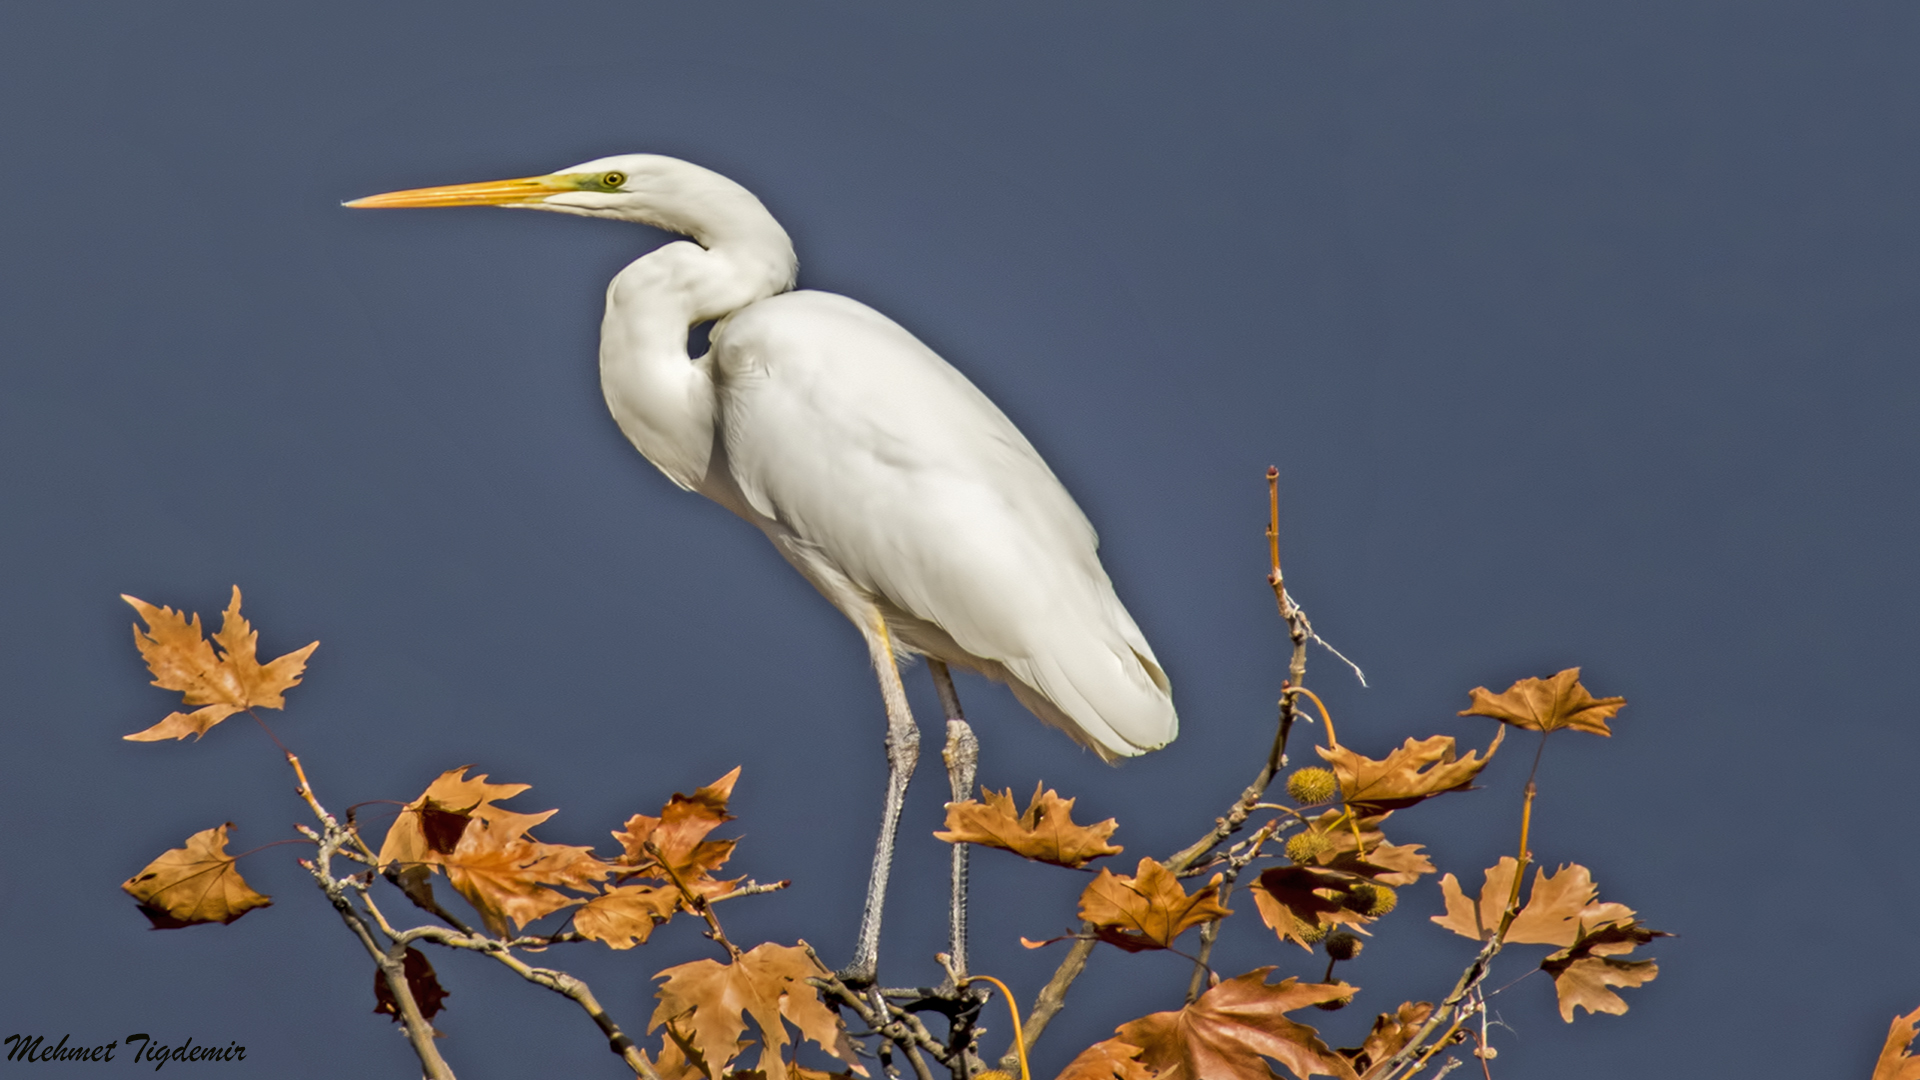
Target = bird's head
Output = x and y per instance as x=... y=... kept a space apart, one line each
x=651 y=189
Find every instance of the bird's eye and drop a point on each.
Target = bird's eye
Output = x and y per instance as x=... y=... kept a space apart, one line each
x=614 y=180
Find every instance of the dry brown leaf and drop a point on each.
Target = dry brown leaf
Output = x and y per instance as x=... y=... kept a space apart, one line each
x=1388 y=864
x=1044 y=832
x=1895 y=1063
x=1547 y=705
x=194 y=884
x=1234 y=1027
x=1391 y=1031
x=1584 y=972
x=1298 y=902
x=429 y=828
x=705 y=1004
x=234 y=679
x=1148 y=910
x=1420 y=769
x=625 y=916
x=1109 y=1060
x=1557 y=911
x=510 y=877
x=425 y=986
x=680 y=835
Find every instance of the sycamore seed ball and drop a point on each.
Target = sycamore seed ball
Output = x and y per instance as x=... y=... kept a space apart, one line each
x=1312 y=785
x=1343 y=946
x=1372 y=899
x=1307 y=846
x=1335 y=1005
x=1313 y=932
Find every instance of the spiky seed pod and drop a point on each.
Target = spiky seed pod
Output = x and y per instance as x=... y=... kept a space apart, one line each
x=1307 y=846
x=1335 y=1005
x=1372 y=899
x=1313 y=932
x=1312 y=785
x=1343 y=946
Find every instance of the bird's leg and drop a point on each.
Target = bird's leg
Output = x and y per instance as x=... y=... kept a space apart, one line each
x=962 y=755
x=903 y=751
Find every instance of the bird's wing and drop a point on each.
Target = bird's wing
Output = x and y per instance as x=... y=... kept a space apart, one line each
x=851 y=434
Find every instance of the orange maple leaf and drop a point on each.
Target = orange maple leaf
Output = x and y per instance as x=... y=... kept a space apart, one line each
x=1108 y=1060
x=1558 y=910
x=704 y=1006
x=1419 y=770
x=679 y=834
x=198 y=883
x=1334 y=845
x=1148 y=910
x=184 y=660
x=625 y=916
x=1229 y=1032
x=1584 y=972
x=1547 y=705
x=1044 y=832
x=1895 y=1063
x=430 y=827
x=1391 y=1031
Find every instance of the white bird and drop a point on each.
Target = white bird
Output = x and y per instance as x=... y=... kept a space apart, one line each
x=884 y=476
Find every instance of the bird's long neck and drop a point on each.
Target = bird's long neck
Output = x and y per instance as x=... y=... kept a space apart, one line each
x=663 y=398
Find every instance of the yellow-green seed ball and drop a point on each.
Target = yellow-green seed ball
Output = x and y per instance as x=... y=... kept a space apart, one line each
x=1312 y=785
x=1336 y=1004
x=1313 y=932
x=1343 y=946
x=1372 y=899
x=1306 y=846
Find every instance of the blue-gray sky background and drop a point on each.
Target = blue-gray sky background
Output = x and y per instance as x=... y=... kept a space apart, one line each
x=1581 y=335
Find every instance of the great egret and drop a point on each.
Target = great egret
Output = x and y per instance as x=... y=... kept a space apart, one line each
x=884 y=476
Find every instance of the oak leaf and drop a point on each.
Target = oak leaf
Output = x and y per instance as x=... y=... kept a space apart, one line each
x=1227 y=1033
x=1895 y=1063
x=1584 y=972
x=1148 y=910
x=425 y=986
x=1558 y=910
x=1112 y=1059
x=224 y=683
x=1044 y=832
x=1300 y=903
x=705 y=1006
x=1547 y=705
x=198 y=883
x=1418 y=770
x=625 y=916
x=679 y=834
x=1391 y=1032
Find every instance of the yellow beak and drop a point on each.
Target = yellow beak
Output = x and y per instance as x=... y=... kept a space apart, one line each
x=491 y=193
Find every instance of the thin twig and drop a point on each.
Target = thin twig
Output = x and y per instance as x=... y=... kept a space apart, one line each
x=1249 y=850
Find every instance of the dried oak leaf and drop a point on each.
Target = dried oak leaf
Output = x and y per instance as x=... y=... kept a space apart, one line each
x=1419 y=770
x=1148 y=910
x=1895 y=1063
x=1044 y=832
x=1547 y=705
x=1584 y=972
x=1227 y=1034
x=224 y=683
x=625 y=916
x=1112 y=1059
x=194 y=884
x=1300 y=903
x=425 y=986
x=1558 y=910
x=1391 y=1031
x=1370 y=855
x=680 y=835
x=704 y=1006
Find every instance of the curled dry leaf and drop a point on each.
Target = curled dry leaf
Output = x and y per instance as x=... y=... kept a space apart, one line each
x=1232 y=1028
x=705 y=1005
x=1044 y=832
x=429 y=828
x=1301 y=903
x=198 y=883
x=1370 y=855
x=1547 y=705
x=1112 y=1059
x=422 y=983
x=1419 y=770
x=1895 y=1063
x=1584 y=973
x=679 y=833
x=1391 y=1031
x=1558 y=910
x=1148 y=910
x=224 y=683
